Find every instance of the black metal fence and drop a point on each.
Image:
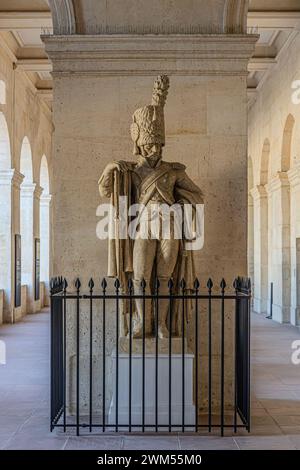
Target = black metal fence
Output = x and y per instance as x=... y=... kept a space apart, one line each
x=215 y=339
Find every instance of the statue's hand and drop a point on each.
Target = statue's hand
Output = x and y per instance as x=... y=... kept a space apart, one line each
x=116 y=166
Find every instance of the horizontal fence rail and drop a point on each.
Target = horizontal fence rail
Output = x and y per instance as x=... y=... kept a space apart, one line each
x=103 y=378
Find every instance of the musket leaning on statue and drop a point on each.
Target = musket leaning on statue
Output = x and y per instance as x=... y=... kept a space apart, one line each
x=150 y=181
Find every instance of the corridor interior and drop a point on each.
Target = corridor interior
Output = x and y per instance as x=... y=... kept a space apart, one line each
x=24 y=391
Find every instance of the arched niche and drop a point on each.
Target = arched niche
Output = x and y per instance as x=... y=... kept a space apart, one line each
x=26 y=222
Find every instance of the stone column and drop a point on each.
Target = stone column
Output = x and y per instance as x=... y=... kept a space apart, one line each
x=99 y=81
x=45 y=205
x=294 y=180
x=260 y=203
x=279 y=247
x=10 y=181
x=36 y=234
x=30 y=210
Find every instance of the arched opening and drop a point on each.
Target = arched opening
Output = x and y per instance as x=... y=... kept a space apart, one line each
x=26 y=227
x=5 y=156
x=261 y=234
x=286 y=154
x=5 y=215
x=45 y=201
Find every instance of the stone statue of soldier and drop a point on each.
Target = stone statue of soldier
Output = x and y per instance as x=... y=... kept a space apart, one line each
x=150 y=181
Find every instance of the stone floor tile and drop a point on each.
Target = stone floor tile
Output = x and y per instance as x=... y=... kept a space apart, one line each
x=25 y=441
x=295 y=440
x=265 y=443
x=151 y=443
x=94 y=443
x=207 y=443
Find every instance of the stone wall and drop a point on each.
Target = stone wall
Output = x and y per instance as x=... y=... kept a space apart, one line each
x=23 y=114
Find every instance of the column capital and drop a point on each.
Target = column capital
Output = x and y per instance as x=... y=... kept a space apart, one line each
x=294 y=175
x=279 y=181
x=27 y=189
x=38 y=191
x=258 y=192
x=12 y=177
x=45 y=199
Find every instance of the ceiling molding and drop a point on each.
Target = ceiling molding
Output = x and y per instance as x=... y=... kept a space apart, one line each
x=35 y=65
x=273 y=19
x=25 y=20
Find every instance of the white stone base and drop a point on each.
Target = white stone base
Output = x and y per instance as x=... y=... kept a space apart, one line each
x=163 y=391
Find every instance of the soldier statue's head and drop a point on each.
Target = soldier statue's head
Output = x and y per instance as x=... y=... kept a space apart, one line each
x=148 y=126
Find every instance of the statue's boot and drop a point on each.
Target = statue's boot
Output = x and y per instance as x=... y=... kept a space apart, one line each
x=143 y=306
x=163 y=309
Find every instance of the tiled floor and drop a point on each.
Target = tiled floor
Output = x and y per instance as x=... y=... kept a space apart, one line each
x=24 y=396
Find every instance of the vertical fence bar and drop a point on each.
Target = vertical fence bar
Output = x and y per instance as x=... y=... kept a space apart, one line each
x=156 y=351
x=170 y=286
x=209 y=286
x=223 y=285
x=65 y=285
x=103 y=285
x=269 y=317
x=248 y=355
x=77 y=285
x=130 y=352
x=91 y=286
x=196 y=287
x=235 y=285
x=117 y=287
x=143 y=286
x=51 y=354
x=182 y=285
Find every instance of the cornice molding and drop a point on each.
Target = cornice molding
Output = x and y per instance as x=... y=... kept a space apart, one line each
x=141 y=55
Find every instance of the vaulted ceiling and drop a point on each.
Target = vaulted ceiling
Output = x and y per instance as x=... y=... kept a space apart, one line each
x=22 y=22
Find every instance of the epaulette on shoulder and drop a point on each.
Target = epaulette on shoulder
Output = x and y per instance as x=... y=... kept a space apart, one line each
x=178 y=166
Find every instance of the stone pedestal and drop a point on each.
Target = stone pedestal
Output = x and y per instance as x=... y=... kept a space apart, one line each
x=150 y=384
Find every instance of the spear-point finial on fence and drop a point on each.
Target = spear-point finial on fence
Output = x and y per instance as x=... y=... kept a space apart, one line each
x=182 y=284
x=104 y=284
x=236 y=283
x=130 y=284
x=249 y=284
x=170 y=284
x=91 y=284
x=65 y=284
x=143 y=284
x=210 y=284
x=196 y=284
x=77 y=284
x=117 y=284
x=223 y=284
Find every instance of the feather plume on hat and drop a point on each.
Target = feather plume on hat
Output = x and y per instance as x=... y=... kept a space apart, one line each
x=148 y=125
